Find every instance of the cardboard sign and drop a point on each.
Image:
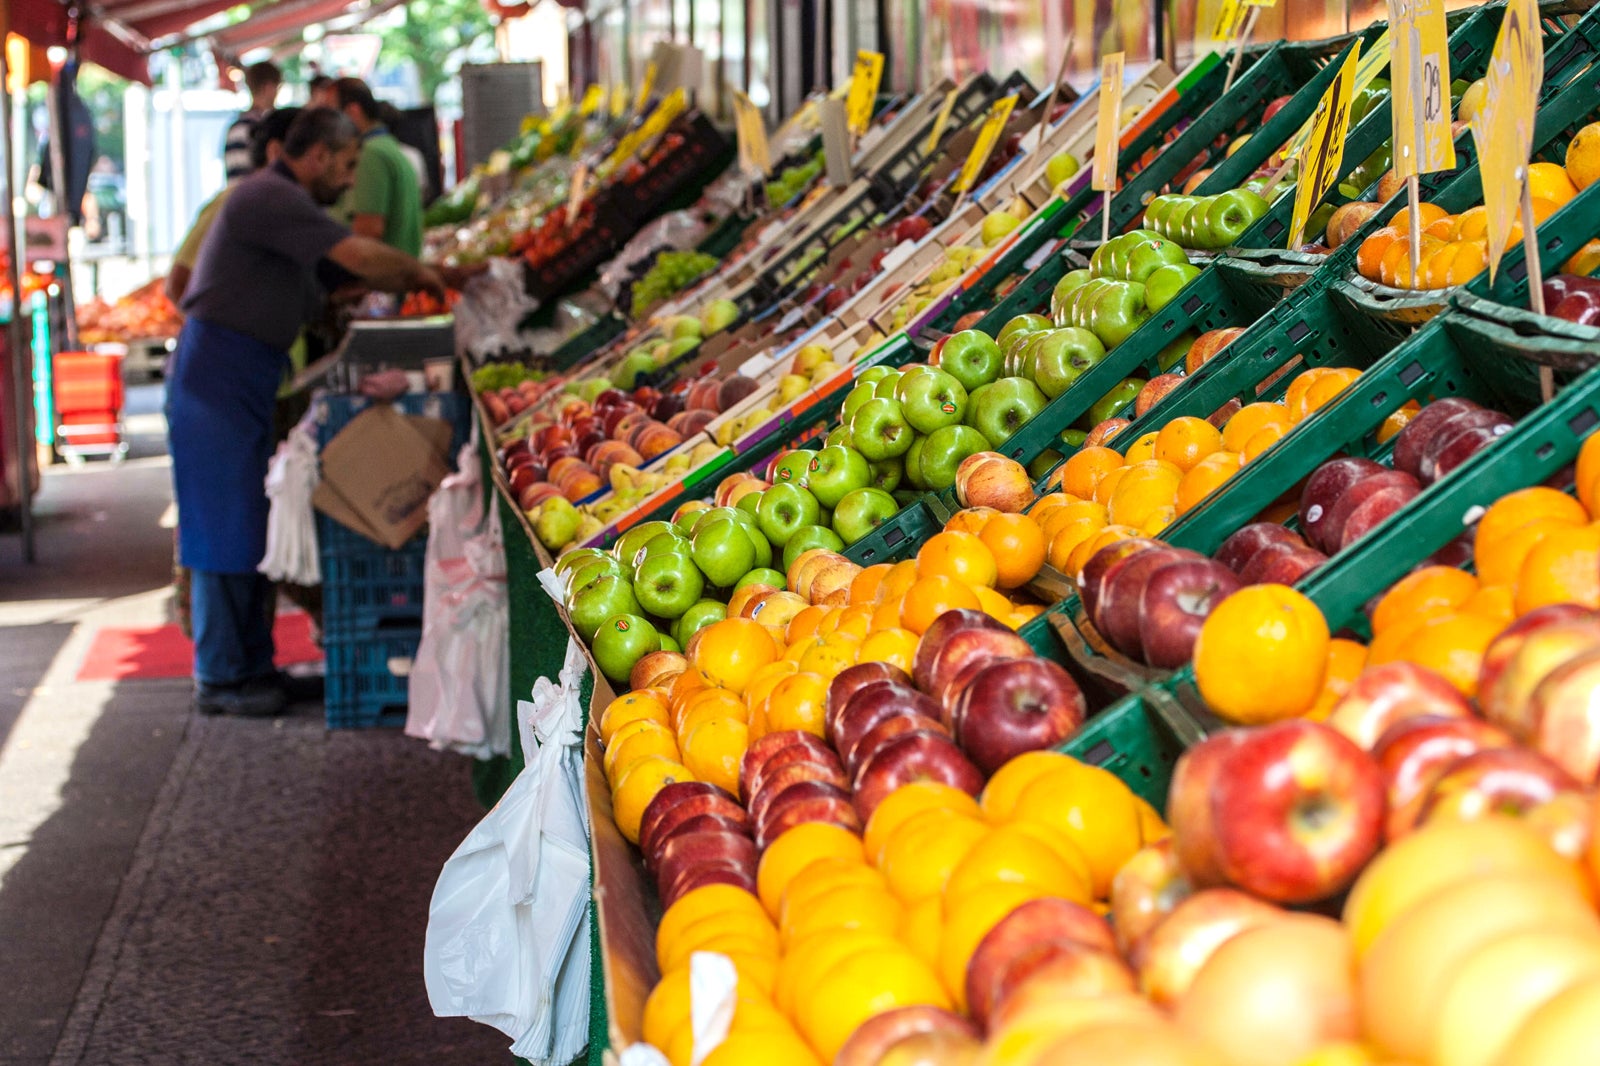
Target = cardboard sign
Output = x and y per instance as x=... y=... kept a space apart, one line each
x=646 y=87
x=836 y=142
x=377 y=475
x=988 y=137
x=580 y=186
x=937 y=133
x=1109 y=124
x=1420 y=76
x=1324 y=149
x=864 y=90
x=1503 y=130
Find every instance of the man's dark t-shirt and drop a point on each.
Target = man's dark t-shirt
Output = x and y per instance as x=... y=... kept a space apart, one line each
x=257 y=271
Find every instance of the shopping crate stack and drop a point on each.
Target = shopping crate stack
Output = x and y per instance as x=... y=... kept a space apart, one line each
x=371 y=595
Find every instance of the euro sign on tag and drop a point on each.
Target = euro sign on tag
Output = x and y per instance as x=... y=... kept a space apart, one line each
x=863 y=90
x=1324 y=149
x=1420 y=74
x=988 y=135
x=1109 y=124
x=1503 y=130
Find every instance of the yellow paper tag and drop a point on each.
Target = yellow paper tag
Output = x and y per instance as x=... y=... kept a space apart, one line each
x=988 y=136
x=593 y=97
x=580 y=186
x=863 y=90
x=1420 y=76
x=942 y=121
x=646 y=87
x=752 y=132
x=1261 y=3
x=1108 y=124
x=1366 y=70
x=1230 y=21
x=1503 y=130
x=619 y=99
x=1324 y=149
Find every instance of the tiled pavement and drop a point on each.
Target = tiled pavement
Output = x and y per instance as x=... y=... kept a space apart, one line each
x=184 y=890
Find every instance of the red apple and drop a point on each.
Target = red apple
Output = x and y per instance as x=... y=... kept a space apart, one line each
x=1333 y=525
x=849 y=680
x=1091 y=582
x=1012 y=707
x=1566 y=715
x=1274 y=565
x=1073 y=969
x=1298 y=811
x=1458 y=438
x=700 y=823
x=1182 y=942
x=706 y=848
x=720 y=873
x=770 y=745
x=908 y=758
x=886 y=730
x=773 y=780
x=806 y=801
x=1323 y=489
x=882 y=1033
x=1146 y=889
x=1037 y=923
x=1414 y=752
x=1207 y=345
x=1499 y=653
x=1155 y=390
x=1493 y=782
x=1176 y=600
x=873 y=704
x=1374 y=511
x=938 y=634
x=950 y=695
x=676 y=803
x=1534 y=652
x=1411 y=440
x=1117 y=617
x=1390 y=692
x=1189 y=809
x=1237 y=551
x=956 y=650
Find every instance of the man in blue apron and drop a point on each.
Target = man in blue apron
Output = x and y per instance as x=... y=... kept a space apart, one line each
x=254 y=285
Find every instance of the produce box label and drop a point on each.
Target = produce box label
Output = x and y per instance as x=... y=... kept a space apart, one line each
x=988 y=135
x=1109 y=124
x=863 y=90
x=1324 y=149
x=1420 y=73
x=1503 y=130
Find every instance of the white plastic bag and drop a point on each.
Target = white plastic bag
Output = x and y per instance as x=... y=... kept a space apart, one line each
x=492 y=306
x=292 y=477
x=508 y=935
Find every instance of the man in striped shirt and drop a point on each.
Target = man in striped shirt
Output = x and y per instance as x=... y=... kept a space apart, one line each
x=262 y=80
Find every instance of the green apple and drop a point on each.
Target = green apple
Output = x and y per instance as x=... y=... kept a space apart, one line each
x=943 y=451
x=622 y=640
x=1070 y=282
x=1073 y=438
x=591 y=388
x=1118 y=312
x=672 y=542
x=912 y=466
x=886 y=386
x=874 y=374
x=1164 y=283
x=573 y=558
x=1147 y=257
x=750 y=503
x=1231 y=213
x=718 y=316
x=997 y=226
x=860 y=394
x=636 y=362
x=835 y=471
x=1020 y=324
x=886 y=473
x=792 y=467
x=784 y=509
x=1007 y=406
x=762 y=575
x=680 y=326
x=1063 y=357
x=667 y=584
x=629 y=543
x=806 y=538
x=714 y=514
x=792 y=386
x=931 y=399
x=838 y=435
x=1059 y=167
x=680 y=347
x=879 y=430
x=1172 y=355
x=724 y=551
x=1043 y=463
x=556 y=523
x=596 y=568
x=1075 y=310
x=863 y=511
x=1120 y=396
x=971 y=357
x=601 y=598
x=697 y=617
x=668 y=643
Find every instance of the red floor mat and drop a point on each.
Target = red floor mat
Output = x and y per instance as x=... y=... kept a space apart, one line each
x=163 y=651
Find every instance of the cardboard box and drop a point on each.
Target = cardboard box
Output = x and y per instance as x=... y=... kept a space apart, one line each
x=380 y=470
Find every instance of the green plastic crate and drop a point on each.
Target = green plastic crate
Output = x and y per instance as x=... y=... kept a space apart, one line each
x=1140 y=739
x=588 y=342
x=901 y=536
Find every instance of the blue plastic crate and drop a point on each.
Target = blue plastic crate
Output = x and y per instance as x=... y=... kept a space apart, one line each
x=362 y=591
x=362 y=691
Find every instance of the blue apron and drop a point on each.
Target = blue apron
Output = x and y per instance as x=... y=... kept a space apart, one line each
x=221 y=388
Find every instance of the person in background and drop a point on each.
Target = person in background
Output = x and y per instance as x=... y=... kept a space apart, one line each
x=254 y=285
x=263 y=81
x=385 y=203
x=265 y=146
x=322 y=92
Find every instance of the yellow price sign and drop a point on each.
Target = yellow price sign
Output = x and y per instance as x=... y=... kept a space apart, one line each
x=1108 y=124
x=1230 y=21
x=863 y=90
x=751 y=129
x=1324 y=149
x=1372 y=63
x=939 y=124
x=1503 y=130
x=646 y=87
x=988 y=136
x=580 y=188
x=593 y=97
x=619 y=99
x=1420 y=73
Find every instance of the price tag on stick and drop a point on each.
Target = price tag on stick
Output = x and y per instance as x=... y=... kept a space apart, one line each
x=994 y=124
x=580 y=184
x=1324 y=148
x=1103 y=178
x=863 y=90
x=646 y=87
x=939 y=124
x=1420 y=71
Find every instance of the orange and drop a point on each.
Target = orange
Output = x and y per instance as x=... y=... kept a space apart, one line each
x=1586 y=261
x=702 y=902
x=999 y=796
x=709 y=712
x=1294 y=395
x=683 y=686
x=962 y=556
x=864 y=586
x=821 y=877
x=1435 y=273
x=765 y=680
x=1395 y=267
x=919 y=857
x=843 y=907
x=858 y=988
x=887 y=614
x=1444 y=228
x=1143 y=490
x=1262 y=439
x=1108 y=484
x=893 y=645
x=637 y=741
x=805 y=623
x=778 y=1048
x=797 y=849
x=827 y=658
x=638 y=786
x=967 y=920
x=1283 y=638
x=1248 y=419
x=645 y=704
x=1087 y=468
x=1424 y=593
x=970 y=519
x=1012 y=855
x=1066 y=514
x=1510 y=527
x=1473 y=224
x=1369 y=256
x=1143 y=448
x=1397 y=421
x=993 y=603
x=667 y=1006
x=932 y=596
x=1017 y=546
x=1427 y=214
x=738 y=930
x=714 y=749
x=899 y=806
x=710 y=703
x=1085 y=551
x=1045 y=505
x=1063 y=847
x=921 y=928
x=1498 y=602
x=797 y=703
x=1158 y=520
x=1207 y=476
x=1185 y=441
x=1549 y=181
x=810 y=960
x=1451 y=645
x=1091 y=808
x=1562 y=568
x=1588 y=474
x=1325 y=389
x=856 y=619
x=901 y=576
x=730 y=651
x=1346 y=660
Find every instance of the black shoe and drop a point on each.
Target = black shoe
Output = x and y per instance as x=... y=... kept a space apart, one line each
x=300 y=688
x=261 y=698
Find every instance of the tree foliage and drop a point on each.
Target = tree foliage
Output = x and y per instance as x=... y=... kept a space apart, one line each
x=435 y=36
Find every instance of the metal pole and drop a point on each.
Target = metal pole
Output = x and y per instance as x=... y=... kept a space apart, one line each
x=17 y=330
x=58 y=168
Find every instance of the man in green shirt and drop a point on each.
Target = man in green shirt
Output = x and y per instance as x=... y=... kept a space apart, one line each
x=386 y=202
